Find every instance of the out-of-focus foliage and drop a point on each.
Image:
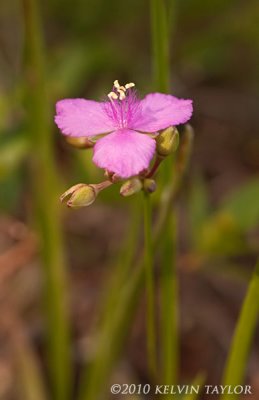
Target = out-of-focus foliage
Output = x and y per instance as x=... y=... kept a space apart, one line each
x=217 y=36
x=223 y=231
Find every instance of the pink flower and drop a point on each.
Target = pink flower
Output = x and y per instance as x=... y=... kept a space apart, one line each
x=124 y=123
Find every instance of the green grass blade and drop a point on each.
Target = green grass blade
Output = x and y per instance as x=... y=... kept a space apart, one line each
x=236 y=364
x=44 y=182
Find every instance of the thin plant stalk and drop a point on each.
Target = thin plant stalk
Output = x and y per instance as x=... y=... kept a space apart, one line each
x=121 y=267
x=160 y=45
x=150 y=286
x=169 y=301
x=241 y=343
x=45 y=187
x=160 y=13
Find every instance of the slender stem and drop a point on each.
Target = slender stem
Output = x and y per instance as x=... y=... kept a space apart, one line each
x=160 y=44
x=169 y=311
x=169 y=298
x=150 y=287
x=45 y=200
x=155 y=167
x=243 y=336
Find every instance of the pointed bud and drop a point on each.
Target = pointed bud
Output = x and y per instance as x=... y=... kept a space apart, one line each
x=131 y=187
x=79 y=195
x=167 y=141
x=79 y=142
x=149 y=185
x=68 y=193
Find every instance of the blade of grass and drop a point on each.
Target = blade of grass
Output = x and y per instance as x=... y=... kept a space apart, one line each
x=150 y=287
x=160 y=45
x=169 y=306
x=111 y=339
x=30 y=380
x=196 y=384
x=241 y=343
x=44 y=188
x=161 y=28
x=119 y=271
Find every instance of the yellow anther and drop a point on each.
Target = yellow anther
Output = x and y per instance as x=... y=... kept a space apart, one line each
x=122 y=94
x=129 y=85
x=113 y=96
x=116 y=84
x=120 y=91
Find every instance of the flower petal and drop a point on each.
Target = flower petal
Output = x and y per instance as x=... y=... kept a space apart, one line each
x=159 y=111
x=124 y=152
x=80 y=117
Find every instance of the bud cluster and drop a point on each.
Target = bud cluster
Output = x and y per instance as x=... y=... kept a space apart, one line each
x=82 y=195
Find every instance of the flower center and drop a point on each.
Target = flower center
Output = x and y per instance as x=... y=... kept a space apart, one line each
x=120 y=91
x=123 y=106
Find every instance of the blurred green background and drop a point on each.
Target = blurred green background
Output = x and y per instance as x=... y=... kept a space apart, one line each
x=89 y=44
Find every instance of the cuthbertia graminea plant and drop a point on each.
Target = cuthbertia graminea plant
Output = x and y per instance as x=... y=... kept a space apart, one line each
x=124 y=133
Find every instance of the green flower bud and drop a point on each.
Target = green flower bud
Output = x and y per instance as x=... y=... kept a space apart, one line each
x=131 y=187
x=149 y=185
x=167 y=141
x=80 y=142
x=79 y=195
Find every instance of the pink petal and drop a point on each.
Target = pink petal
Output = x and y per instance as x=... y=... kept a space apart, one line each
x=80 y=117
x=124 y=152
x=159 y=111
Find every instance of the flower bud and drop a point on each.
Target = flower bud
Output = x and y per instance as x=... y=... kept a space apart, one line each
x=79 y=142
x=149 y=185
x=167 y=141
x=131 y=187
x=79 y=195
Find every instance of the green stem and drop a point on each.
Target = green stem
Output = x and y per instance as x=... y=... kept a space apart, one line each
x=169 y=301
x=160 y=44
x=44 y=180
x=169 y=298
x=150 y=287
x=243 y=336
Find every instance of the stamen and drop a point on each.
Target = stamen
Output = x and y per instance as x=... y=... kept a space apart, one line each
x=120 y=91
x=129 y=85
x=116 y=84
x=113 y=96
x=122 y=94
x=123 y=105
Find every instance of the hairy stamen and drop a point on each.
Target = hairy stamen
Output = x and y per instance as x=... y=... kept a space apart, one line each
x=123 y=104
x=120 y=91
